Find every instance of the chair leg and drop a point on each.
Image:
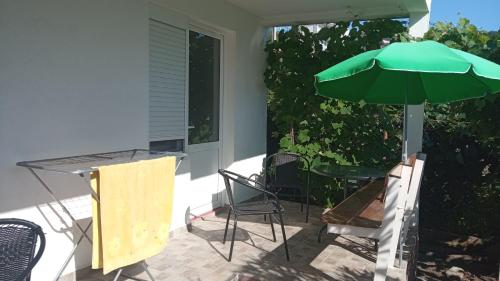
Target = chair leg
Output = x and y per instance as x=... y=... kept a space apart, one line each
x=301 y=202
x=284 y=236
x=227 y=224
x=265 y=217
x=232 y=240
x=323 y=228
x=307 y=195
x=307 y=206
x=272 y=227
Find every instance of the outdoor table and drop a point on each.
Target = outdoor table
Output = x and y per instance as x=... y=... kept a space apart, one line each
x=347 y=173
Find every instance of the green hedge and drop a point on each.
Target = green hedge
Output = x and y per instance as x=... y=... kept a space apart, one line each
x=461 y=190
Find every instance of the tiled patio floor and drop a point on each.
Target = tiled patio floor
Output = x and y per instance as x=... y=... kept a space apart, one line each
x=200 y=254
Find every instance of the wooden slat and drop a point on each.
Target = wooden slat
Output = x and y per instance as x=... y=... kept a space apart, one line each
x=396 y=171
x=364 y=208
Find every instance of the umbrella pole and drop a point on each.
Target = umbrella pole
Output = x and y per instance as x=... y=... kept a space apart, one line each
x=405 y=122
x=404 y=155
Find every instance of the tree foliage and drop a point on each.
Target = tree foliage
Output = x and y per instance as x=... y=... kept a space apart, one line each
x=327 y=130
x=461 y=138
x=464 y=36
x=462 y=178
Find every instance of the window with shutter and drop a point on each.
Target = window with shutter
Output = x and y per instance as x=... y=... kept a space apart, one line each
x=167 y=86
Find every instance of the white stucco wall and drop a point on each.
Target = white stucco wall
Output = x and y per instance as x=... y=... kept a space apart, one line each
x=74 y=80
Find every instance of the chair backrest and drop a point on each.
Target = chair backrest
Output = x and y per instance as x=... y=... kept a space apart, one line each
x=282 y=168
x=18 y=240
x=236 y=178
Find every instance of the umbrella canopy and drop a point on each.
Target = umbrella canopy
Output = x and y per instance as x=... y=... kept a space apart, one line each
x=410 y=73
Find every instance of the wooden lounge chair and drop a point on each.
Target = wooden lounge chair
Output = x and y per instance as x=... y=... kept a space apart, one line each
x=371 y=212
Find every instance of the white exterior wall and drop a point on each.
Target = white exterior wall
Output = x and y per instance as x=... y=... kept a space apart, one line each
x=74 y=80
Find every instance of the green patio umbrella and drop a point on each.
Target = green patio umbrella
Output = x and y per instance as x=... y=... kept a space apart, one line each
x=409 y=74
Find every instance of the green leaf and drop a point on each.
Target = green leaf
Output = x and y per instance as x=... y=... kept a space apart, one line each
x=337 y=125
x=303 y=136
x=285 y=141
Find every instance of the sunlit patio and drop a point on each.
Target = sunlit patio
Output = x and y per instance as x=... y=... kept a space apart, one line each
x=200 y=254
x=136 y=130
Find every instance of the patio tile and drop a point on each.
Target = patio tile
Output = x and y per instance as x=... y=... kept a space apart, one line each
x=200 y=254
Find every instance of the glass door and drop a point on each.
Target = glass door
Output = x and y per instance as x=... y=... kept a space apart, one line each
x=204 y=88
x=204 y=105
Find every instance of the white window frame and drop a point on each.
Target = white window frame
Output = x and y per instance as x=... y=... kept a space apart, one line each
x=188 y=24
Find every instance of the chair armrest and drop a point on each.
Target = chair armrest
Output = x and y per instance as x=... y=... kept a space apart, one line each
x=36 y=258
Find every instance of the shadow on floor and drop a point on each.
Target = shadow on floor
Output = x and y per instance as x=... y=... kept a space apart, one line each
x=201 y=255
x=439 y=251
x=309 y=259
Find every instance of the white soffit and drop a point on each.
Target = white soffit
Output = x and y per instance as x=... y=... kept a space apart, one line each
x=281 y=12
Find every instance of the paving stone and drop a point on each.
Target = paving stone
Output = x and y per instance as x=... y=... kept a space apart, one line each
x=200 y=255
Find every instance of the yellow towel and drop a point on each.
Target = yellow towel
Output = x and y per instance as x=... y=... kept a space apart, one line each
x=133 y=219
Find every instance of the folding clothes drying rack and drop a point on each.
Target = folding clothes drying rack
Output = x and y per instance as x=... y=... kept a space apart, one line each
x=82 y=166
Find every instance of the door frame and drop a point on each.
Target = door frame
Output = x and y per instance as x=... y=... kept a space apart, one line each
x=212 y=32
x=187 y=23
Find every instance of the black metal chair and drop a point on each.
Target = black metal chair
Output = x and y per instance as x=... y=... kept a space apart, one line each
x=269 y=205
x=282 y=173
x=18 y=239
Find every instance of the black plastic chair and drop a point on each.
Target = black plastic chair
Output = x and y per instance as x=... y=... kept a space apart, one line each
x=269 y=205
x=282 y=173
x=18 y=239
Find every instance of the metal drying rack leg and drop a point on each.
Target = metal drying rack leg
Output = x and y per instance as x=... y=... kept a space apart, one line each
x=118 y=274
x=84 y=230
x=71 y=254
x=143 y=264
x=60 y=204
x=147 y=270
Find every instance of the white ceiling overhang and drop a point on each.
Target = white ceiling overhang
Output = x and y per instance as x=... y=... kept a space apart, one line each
x=282 y=12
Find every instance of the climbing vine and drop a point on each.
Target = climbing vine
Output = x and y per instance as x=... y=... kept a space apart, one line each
x=322 y=129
